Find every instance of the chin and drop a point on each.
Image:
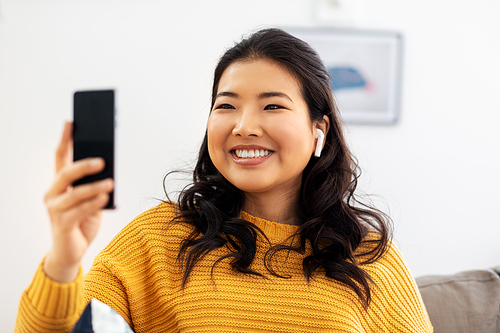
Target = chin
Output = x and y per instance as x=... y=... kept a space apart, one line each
x=251 y=186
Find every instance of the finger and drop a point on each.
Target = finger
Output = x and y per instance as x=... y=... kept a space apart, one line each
x=74 y=171
x=84 y=210
x=63 y=150
x=80 y=194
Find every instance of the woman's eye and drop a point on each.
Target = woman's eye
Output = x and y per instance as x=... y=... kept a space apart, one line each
x=273 y=107
x=225 y=106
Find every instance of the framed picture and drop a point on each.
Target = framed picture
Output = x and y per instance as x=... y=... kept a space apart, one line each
x=365 y=70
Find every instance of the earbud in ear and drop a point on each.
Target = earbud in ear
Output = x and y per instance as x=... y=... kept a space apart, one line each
x=320 y=136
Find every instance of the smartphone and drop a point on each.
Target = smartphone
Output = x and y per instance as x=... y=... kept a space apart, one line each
x=94 y=132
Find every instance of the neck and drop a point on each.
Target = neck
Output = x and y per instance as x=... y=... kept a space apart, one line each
x=269 y=206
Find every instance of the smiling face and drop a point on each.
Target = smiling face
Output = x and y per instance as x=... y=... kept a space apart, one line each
x=260 y=135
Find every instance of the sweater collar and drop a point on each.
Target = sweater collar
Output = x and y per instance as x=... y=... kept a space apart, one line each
x=273 y=230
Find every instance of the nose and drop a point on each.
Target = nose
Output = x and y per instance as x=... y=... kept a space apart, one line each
x=248 y=124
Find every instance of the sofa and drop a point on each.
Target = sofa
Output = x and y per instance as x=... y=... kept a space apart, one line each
x=464 y=302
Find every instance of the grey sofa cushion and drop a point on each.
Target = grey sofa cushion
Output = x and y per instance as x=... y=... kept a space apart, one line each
x=465 y=302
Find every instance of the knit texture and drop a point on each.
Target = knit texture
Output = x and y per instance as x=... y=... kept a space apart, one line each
x=137 y=275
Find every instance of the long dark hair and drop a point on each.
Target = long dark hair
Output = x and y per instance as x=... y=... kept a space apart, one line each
x=332 y=220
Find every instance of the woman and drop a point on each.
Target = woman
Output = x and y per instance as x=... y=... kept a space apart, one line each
x=268 y=238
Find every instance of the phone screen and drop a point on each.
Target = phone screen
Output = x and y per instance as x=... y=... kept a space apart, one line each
x=94 y=131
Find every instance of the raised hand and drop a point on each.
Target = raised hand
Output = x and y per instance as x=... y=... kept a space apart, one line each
x=75 y=212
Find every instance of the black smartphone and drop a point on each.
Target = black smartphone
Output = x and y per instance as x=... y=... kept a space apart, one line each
x=94 y=132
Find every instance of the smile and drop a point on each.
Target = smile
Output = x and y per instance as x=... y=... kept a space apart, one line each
x=251 y=153
x=251 y=157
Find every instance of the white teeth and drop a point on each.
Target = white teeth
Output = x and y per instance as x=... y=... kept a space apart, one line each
x=243 y=153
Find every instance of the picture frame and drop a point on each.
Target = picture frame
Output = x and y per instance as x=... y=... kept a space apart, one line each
x=365 y=68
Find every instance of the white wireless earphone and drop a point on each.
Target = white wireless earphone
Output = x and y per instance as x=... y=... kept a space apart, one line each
x=319 y=144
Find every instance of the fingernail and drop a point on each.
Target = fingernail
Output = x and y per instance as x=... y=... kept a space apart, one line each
x=103 y=197
x=105 y=184
x=95 y=162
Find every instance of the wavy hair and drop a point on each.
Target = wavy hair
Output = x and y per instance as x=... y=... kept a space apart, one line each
x=331 y=219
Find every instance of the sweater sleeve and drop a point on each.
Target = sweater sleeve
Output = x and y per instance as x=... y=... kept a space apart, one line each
x=49 y=306
x=396 y=301
x=101 y=283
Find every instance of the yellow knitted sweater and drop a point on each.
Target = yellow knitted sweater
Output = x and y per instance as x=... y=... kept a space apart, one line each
x=136 y=274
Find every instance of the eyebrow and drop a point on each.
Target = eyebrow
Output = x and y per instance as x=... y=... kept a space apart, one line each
x=274 y=94
x=261 y=96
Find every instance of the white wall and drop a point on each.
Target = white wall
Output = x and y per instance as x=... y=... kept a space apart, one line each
x=436 y=170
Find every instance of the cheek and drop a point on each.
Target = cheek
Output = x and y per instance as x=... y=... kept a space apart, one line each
x=211 y=137
x=216 y=133
x=296 y=140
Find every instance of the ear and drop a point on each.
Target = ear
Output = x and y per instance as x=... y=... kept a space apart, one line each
x=324 y=126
